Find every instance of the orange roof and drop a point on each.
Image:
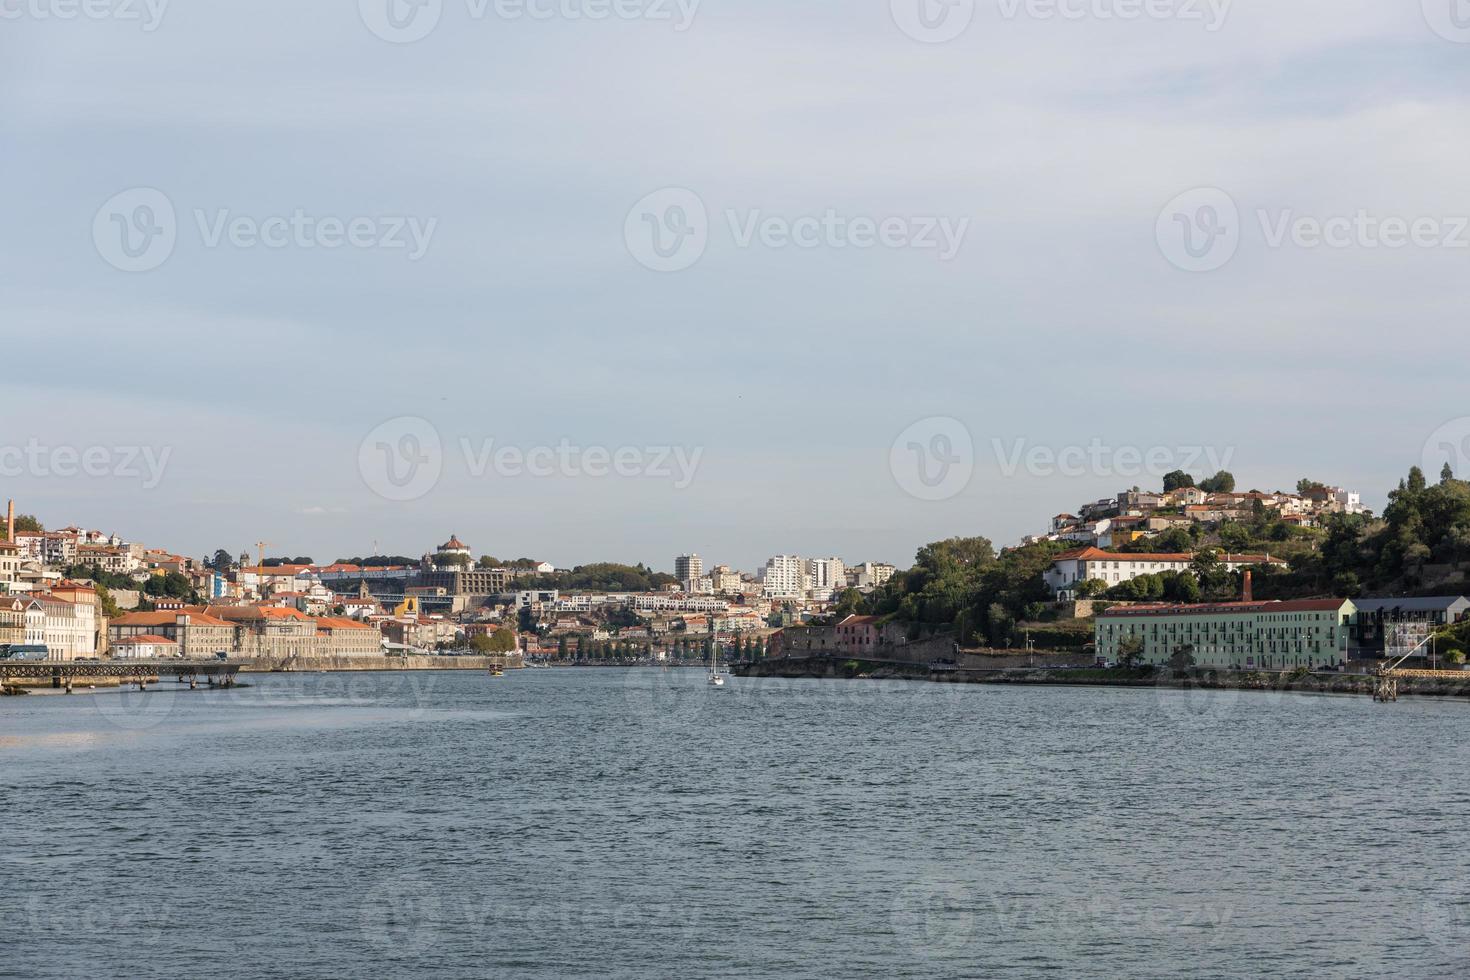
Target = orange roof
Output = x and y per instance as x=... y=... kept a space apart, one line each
x=168 y=617
x=339 y=623
x=1204 y=609
x=1097 y=554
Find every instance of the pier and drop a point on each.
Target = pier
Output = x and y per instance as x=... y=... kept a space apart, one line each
x=63 y=674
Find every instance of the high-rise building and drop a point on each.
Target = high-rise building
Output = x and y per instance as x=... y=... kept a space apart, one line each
x=689 y=569
x=786 y=577
x=827 y=575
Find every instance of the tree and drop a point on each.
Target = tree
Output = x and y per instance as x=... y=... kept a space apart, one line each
x=1447 y=474
x=561 y=648
x=1234 y=536
x=1182 y=658
x=110 y=607
x=1130 y=652
x=1177 y=480
x=1091 y=588
x=28 y=522
x=1305 y=486
x=1221 y=482
x=1417 y=483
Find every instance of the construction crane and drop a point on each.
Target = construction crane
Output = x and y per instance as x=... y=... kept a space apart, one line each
x=260 y=547
x=1386 y=683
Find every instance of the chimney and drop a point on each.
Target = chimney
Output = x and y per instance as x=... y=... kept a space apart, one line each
x=10 y=522
x=1246 y=595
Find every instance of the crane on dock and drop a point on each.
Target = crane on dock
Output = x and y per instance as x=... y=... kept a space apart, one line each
x=1386 y=679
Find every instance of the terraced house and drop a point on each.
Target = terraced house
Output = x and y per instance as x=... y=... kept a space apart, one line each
x=1309 y=633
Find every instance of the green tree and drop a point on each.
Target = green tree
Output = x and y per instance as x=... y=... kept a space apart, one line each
x=1234 y=536
x=1447 y=474
x=1130 y=652
x=1182 y=658
x=1221 y=482
x=28 y=522
x=1177 y=480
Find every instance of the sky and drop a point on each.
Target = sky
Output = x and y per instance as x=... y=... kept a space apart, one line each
x=617 y=280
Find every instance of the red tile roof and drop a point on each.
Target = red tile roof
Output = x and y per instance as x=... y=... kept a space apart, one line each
x=1212 y=608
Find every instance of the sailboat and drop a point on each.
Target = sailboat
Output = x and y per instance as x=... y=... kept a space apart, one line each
x=716 y=679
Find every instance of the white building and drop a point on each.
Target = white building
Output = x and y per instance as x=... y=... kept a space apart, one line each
x=870 y=575
x=68 y=628
x=826 y=576
x=785 y=577
x=148 y=646
x=1111 y=568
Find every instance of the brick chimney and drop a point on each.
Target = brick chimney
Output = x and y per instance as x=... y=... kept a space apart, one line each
x=1246 y=592
x=10 y=522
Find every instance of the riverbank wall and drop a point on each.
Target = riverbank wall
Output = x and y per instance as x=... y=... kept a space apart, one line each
x=335 y=664
x=1412 y=683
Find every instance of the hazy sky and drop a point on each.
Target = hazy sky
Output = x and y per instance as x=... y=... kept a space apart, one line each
x=608 y=214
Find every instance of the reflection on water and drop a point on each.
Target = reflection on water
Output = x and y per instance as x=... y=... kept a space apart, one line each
x=639 y=823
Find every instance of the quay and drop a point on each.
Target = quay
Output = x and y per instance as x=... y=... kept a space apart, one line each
x=63 y=674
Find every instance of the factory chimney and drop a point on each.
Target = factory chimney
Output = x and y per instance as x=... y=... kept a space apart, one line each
x=1246 y=591
x=10 y=523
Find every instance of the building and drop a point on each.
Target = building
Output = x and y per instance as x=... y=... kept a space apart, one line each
x=198 y=634
x=1402 y=623
x=826 y=576
x=69 y=622
x=689 y=569
x=858 y=635
x=785 y=577
x=20 y=620
x=725 y=581
x=870 y=575
x=269 y=632
x=1070 y=568
x=453 y=552
x=9 y=565
x=340 y=637
x=1310 y=633
x=145 y=646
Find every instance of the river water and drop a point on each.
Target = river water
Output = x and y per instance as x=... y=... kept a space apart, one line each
x=565 y=823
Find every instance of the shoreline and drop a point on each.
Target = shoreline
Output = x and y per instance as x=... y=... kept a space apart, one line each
x=824 y=668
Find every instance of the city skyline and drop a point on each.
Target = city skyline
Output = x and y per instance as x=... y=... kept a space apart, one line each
x=500 y=297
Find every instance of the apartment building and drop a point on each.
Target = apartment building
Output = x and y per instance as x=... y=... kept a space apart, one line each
x=785 y=577
x=825 y=576
x=689 y=569
x=1311 y=633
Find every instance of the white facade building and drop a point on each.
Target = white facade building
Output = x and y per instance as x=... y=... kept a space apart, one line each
x=785 y=577
x=1111 y=568
x=826 y=576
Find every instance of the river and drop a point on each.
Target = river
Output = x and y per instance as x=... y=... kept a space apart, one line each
x=632 y=824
